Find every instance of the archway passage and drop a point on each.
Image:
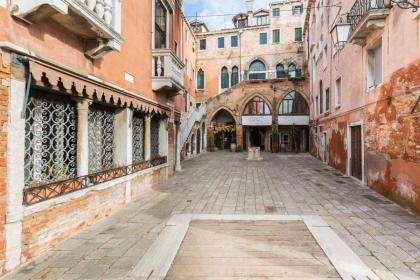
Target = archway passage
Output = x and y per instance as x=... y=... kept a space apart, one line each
x=293 y=122
x=223 y=128
x=257 y=120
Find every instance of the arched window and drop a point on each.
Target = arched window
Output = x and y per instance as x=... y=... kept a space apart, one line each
x=294 y=104
x=257 y=70
x=224 y=78
x=257 y=106
x=292 y=70
x=234 y=76
x=280 y=73
x=200 y=79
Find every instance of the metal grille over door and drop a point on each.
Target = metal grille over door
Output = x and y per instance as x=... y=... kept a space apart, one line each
x=154 y=130
x=101 y=138
x=138 y=137
x=50 y=140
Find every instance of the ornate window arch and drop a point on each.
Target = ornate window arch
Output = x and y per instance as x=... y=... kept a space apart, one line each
x=293 y=104
x=234 y=80
x=280 y=72
x=257 y=106
x=200 y=79
x=257 y=70
x=292 y=70
x=224 y=79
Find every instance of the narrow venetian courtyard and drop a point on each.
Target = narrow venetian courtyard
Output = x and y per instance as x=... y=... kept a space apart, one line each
x=385 y=236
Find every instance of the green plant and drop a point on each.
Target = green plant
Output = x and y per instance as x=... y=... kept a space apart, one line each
x=239 y=148
x=210 y=141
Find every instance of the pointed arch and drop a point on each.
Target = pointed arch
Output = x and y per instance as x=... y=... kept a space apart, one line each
x=256 y=105
x=200 y=79
x=234 y=79
x=224 y=78
x=294 y=103
x=280 y=71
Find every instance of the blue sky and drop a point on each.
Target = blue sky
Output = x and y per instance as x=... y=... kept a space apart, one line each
x=218 y=7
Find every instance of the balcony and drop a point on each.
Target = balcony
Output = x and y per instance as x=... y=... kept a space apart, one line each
x=168 y=72
x=97 y=22
x=274 y=75
x=365 y=17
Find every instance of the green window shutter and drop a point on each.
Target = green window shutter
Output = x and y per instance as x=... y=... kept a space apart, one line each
x=276 y=36
x=225 y=78
x=221 y=42
x=298 y=34
x=234 y=41
x=276 y=12
x=200 y=80
x=263 y=38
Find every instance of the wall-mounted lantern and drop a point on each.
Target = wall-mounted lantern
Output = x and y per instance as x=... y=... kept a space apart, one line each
x=340 y=33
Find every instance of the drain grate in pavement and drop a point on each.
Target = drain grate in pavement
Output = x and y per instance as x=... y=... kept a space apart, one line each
x=375 y=199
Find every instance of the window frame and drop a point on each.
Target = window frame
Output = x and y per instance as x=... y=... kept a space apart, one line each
x=338 y=92
x=273 y=36
x=276 y=12
x=221 y=42
x=231 y=41
x=200 y=74
x=300 y=32
x=236 y=77
x=224 y=78
x=262 y=40
x=203 y=46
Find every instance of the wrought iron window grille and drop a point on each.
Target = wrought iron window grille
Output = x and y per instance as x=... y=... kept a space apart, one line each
x=101 y=138
x=50 y=139
x=37 y=194
x=138 y=137
x=154 y=137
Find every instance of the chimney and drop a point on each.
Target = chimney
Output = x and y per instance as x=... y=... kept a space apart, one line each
x=250 y=5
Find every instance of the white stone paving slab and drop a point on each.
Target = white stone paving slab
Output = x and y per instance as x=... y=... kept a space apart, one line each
x=157 y=261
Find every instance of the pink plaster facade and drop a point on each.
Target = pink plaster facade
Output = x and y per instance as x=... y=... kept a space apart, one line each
x=387 y=112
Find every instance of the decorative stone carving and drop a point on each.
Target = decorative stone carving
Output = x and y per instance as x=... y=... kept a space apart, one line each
x=91 y=4
x=100 y=8
x=108 y=12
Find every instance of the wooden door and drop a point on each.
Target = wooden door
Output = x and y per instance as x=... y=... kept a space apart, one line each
x=356 y=152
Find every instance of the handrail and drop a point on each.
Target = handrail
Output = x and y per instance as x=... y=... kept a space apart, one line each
x=361 y=9
x=193 y=117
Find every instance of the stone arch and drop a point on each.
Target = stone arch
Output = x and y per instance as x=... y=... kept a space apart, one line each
x=287 y=93
x=255 y=58
x=297 y=95
x=252 y=97
x=212 y=115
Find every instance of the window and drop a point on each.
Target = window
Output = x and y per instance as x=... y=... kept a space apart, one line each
x=276 y=36
x=50 y=139
x=263 y=38
x=297 y=10
x=294 y=104
x=374 y=67
x=261 y=20
x=321 y=96
x=242 y=23
x=186 y=66
x=327 y=100
x=338 y=92
x=298 y=34
x=221 y=42
x=138 y=137
x=257 y=106
x=203 y=44
x=234 y=76
x=324 y=58
x=257 y=70
x=160 y=25
x=224 y=78
x=276 y=12
x=292 y=70
x=176 y=49
x=280 y=73
x=317 y=105
x=154 y=138
x=234 y=41
x=101 y=138
x=200 y=79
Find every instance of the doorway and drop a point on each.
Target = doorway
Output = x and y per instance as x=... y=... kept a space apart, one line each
x=257 y=137
x=356 y=151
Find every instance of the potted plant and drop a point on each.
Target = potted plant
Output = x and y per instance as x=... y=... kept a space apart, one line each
x=275 y=138
x=239 y=148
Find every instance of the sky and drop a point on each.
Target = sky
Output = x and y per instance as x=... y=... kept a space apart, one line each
x=205 y=8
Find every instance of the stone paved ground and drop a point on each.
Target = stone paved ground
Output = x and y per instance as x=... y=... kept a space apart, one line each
x=384 y=235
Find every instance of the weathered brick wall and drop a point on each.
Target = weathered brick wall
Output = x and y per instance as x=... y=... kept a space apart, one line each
x=4 y=98
x=391 y=138
x=47 y=228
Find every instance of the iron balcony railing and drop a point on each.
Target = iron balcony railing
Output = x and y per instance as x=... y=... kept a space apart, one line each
x=36 y=194
x=361 y=9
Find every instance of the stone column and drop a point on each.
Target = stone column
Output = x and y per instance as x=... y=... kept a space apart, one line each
x=205 y=139
x=83 y=138
x=147 y=137
x=12 y=89
x=239 y=135
x=178 y=148
x=123 y=138
x=163 y=137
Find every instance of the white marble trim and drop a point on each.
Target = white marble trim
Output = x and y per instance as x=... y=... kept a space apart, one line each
x=158 y=259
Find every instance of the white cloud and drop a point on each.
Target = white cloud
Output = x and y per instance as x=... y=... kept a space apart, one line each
x=208 y=11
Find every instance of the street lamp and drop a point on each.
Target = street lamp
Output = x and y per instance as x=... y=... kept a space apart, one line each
x=406 y=4
x=340 y=33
